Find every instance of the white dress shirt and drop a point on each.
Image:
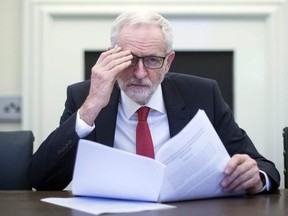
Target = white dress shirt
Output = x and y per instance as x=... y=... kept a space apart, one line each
x=125 y=134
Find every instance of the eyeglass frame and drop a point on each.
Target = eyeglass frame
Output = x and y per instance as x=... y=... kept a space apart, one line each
x=143 y=60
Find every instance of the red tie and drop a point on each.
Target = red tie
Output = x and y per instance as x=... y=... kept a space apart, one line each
x=144 y=144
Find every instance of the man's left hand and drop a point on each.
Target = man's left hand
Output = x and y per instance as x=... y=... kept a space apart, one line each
x=242 y=173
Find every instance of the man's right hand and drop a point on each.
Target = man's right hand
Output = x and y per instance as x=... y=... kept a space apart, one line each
x=103 y=77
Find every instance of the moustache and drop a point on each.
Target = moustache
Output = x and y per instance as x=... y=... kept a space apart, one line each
x=144 y=82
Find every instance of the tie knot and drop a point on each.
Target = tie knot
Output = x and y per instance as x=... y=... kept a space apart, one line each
x=143 y=113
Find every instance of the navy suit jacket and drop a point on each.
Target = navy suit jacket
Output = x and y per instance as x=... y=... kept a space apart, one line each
x=53 y=163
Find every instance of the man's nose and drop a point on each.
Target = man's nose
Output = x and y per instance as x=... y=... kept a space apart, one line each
x=140 y=70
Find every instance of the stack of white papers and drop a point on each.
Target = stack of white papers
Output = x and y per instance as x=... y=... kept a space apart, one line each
x=188 y=166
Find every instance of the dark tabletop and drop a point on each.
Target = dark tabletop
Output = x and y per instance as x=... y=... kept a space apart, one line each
x=27 y=203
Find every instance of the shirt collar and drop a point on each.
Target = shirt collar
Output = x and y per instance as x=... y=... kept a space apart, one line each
x=156 y=103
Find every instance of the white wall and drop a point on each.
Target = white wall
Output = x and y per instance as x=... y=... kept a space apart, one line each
x=10 y=52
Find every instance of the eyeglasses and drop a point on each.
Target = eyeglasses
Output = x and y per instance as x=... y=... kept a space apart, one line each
x=150 y=62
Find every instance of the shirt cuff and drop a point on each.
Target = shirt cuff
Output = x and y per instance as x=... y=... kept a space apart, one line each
x=81 y=128
x=267 y=185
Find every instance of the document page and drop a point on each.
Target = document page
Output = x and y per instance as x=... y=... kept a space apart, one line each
x=195 y=159
x=102 y=171
x=98 y=206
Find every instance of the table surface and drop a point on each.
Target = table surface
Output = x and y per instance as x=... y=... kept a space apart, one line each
x=27 y=203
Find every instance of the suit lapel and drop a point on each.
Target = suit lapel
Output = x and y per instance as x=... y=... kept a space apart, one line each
x=177 y=112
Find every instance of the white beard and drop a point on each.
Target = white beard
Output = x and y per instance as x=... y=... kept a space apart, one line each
x=141 y=93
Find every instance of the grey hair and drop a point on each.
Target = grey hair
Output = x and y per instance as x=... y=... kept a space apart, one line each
x=142 y=17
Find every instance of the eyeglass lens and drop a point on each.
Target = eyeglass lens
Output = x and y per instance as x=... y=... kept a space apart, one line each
x=152 y=62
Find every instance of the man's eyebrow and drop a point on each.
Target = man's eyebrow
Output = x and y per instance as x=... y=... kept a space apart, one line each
x=150 y=55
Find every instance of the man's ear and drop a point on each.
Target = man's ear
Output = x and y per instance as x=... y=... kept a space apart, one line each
x=170 y=59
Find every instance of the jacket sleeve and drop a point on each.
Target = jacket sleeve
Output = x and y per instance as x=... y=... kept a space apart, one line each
x=52 y=164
